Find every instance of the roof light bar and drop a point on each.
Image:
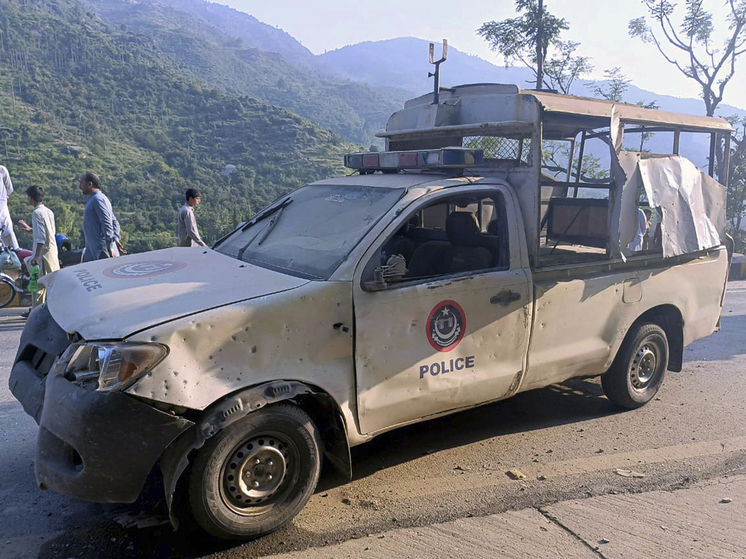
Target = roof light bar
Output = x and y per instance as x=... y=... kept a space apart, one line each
x=443 y=158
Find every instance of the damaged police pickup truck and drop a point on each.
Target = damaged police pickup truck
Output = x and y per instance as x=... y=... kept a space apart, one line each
x=471 y=260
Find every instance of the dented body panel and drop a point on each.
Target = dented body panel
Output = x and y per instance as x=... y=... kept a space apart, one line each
x=223 y=350
x=580 y=321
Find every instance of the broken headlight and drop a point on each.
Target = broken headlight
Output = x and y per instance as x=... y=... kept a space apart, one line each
x=114 y=365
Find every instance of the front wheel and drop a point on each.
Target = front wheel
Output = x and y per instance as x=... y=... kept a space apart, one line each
x=256 y=474
x=637 y=372
x=7 y=292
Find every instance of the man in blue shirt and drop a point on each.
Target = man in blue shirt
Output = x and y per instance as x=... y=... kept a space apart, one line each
x=100 y=226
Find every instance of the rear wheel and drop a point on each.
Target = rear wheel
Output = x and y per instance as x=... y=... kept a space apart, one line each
x=7 y=292
x=256 y=474
x=638 y=370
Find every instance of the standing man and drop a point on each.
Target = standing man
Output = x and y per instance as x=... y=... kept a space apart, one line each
x=637 y=243
x=6 y=225
x=186 y=223
x=45 y=244
x=100 y=226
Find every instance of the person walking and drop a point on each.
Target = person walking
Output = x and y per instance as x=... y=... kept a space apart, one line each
x=7 y=234
x=100 y=225
x=45 y=245
x=186 y=224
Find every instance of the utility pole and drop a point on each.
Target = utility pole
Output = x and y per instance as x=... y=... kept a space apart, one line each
x=539 y=49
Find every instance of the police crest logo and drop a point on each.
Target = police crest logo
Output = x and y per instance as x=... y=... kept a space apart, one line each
x=143 y=269
x=446 y=325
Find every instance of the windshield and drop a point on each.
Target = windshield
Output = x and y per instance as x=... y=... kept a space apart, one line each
x=311 y=232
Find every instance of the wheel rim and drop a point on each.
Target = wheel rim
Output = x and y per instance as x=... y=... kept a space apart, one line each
x=253 y=476
x=643 y=367
x=7 y=292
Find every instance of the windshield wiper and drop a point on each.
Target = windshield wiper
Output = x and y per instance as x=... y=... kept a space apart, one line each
x=272 y=223
x=277 y=211
x=266 y=213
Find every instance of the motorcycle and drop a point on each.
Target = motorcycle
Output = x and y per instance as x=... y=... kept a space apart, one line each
x=14 y=260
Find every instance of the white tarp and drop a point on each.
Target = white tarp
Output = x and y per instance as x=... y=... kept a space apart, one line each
x=692 y=203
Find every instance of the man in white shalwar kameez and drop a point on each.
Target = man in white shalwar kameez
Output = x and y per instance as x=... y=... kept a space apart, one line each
x=6 y=225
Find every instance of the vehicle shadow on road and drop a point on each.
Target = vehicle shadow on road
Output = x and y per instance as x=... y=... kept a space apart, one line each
x=573 y=401
x=115 y=542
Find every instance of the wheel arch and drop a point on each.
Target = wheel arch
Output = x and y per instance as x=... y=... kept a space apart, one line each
x=669 y=318
x=317 y=403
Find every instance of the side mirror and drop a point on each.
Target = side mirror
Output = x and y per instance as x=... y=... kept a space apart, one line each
x=378 y=283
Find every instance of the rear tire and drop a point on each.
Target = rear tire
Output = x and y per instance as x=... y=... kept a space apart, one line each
x=638 y=369
x=7 y=292
x=256 y=474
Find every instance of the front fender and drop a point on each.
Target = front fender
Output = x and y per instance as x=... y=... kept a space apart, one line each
x=175 y=458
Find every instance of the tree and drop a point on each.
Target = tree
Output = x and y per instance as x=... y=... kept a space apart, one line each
x=614 y=88
x=691 y=48
x=562 y=70
x=737 y=187
x=689 y=45
x=527 y=39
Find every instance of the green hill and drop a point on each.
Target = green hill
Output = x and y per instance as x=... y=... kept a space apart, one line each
x=232 y=50
x=79 y=94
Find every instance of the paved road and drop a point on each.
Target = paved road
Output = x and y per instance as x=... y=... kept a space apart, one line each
x=567 y=440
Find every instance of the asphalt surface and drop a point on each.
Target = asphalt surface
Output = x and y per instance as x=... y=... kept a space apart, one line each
x=567 y=443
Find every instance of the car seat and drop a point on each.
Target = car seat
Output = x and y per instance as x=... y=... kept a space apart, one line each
x=461 y=253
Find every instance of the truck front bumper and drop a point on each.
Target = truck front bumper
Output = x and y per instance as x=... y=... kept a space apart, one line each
x=95 y=446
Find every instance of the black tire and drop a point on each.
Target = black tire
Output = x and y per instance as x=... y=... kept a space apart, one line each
x=7 y=292
x=256 y=474
x=638 y=369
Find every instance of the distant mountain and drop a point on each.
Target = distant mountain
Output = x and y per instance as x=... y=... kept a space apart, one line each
x=685 y=105
x=403 y=62
x=231 y=23
x=232 y=50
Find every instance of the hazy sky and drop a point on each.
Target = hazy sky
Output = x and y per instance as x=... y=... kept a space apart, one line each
x=600 y=26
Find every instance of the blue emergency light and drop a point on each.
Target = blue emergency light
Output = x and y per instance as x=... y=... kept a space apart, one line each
x=443 y=158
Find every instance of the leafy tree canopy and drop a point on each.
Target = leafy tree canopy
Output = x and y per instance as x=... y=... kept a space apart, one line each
x=687 y=40
x=517 y=40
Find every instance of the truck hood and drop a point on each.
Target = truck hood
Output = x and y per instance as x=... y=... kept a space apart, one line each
x=114 y=298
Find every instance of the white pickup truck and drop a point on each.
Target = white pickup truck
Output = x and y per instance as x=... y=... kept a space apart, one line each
x=477 y=257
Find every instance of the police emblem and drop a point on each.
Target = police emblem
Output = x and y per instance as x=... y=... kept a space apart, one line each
x=143 y=269
x=446 y=325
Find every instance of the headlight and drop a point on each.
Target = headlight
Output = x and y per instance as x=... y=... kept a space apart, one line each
x=115 y=365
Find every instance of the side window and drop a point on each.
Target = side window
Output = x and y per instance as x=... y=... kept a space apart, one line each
x=457 y=234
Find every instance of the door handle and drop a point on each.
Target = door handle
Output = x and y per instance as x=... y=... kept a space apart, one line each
x=505 y=297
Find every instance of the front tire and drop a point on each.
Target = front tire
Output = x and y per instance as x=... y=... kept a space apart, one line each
x=256 y=474
x=638 y=369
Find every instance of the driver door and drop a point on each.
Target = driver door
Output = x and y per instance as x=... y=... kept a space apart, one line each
x=427 y=345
